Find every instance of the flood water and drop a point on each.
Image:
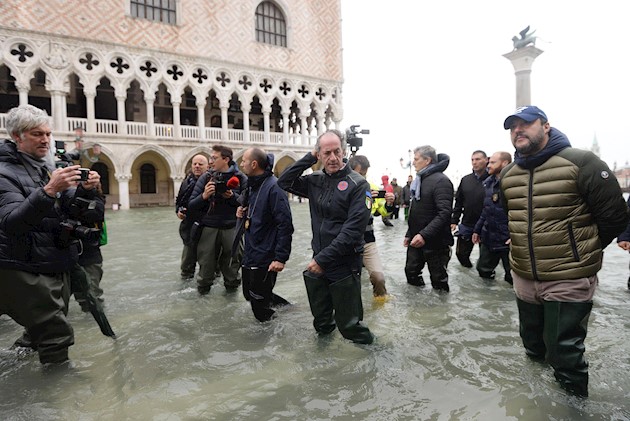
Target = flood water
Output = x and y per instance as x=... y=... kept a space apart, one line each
x=180 y=356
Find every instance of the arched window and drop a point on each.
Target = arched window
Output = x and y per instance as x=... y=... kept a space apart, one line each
x=271 y=27
x=147 y=179
x=156 y=10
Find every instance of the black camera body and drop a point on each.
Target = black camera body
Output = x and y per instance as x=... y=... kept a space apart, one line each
x=71 y=227
x=353 y=139
x=220 y=187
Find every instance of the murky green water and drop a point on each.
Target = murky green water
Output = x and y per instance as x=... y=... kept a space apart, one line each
x=180 y=356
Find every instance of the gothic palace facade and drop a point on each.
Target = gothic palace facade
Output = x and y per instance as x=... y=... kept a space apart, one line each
x=154 y=82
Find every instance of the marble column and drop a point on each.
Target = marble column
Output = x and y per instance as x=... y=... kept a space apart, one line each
x=522 y=59
x=120 y=106
x=177 y=131
x=123 y=190
x=91 y=115
x=149 y=101
x=201 y=121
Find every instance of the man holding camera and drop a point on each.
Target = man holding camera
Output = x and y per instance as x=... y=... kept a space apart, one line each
x=216 y=196
x=35 y=200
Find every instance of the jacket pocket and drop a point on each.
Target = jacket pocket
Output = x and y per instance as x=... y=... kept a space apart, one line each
x=574 y=249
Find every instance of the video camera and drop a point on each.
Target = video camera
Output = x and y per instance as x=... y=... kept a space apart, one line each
x=353 y=139
x=64 y=157
x=71 y=227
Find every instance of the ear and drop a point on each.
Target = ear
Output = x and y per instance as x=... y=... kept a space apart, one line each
x=16 y=138
x=547 y=127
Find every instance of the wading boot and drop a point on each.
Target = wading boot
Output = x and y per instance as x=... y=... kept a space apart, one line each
x=321 y=303
x=565 y=331
x=346 y=298
x=531 y=325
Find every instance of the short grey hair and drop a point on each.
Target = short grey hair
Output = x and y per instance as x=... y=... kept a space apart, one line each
x=24 y=118
x=427 y=152
x=337 y=133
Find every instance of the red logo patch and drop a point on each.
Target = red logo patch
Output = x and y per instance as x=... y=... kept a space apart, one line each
x=343 y=185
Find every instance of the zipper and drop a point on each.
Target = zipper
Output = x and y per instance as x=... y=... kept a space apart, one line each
x=530 y=218
x=574 y=249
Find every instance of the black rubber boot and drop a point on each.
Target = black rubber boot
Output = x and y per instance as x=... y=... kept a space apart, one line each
x=346 y=298
x=565 y=331
x=531 y=325
x=321 y=303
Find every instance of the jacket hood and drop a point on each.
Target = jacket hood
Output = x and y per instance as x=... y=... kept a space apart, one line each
x=557 y=142
x=442 y=164
x=8 y=151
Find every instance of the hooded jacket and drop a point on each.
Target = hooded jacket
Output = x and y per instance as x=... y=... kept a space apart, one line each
x=30 y=219
x=340 y=206
x=430 y=216
x=492 y=225
x=564 y=207
x=270 y=229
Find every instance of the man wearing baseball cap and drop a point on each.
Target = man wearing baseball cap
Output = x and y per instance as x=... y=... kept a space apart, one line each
x=564 y=207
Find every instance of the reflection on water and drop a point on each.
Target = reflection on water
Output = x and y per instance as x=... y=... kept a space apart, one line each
x=180 y=356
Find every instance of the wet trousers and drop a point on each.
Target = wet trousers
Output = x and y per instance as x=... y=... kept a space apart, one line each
x=39 y=303
x=258 y=286
x=436 y=260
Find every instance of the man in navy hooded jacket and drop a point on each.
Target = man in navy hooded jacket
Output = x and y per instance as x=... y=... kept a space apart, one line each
x=268 y=227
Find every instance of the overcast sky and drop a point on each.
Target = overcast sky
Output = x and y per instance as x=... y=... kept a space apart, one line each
x=433 y=73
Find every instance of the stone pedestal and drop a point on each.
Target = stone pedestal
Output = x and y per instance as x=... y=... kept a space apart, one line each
x=522 y=60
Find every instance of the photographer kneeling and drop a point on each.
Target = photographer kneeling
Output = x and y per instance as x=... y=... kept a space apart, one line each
x=35 y=201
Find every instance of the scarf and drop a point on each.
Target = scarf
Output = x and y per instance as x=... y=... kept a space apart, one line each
x=416 y=184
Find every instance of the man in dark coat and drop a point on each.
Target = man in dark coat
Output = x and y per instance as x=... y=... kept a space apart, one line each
x=340 y=201
x=268 y=229
x=215 y=196
x=36 y=252
x=468 y=205
x=199 y=166
x=491 y=230
x=428 y=238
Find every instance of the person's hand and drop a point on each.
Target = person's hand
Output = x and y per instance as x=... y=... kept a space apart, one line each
x=314 y=267
x=227 y=194
x=240 y=211
x=389 y=198
x=624 y=245
x=475 y=238
x=276 y=266
x=181 y=214
x=508 y=241
x=315 y=154
x=417 y=241
x=406 y=242
x=374 y=194
x=453 y=227
x=93 y=179
x=208 y=190
x=62 y=179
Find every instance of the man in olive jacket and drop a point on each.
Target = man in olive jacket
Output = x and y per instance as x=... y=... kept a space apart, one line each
x=564 y=207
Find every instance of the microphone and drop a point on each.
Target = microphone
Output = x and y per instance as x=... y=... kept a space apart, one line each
x=233 y=182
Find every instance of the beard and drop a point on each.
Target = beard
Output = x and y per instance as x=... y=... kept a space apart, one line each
x=534 y=145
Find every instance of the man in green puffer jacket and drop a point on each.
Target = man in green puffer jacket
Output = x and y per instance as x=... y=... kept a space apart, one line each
x=564 y=207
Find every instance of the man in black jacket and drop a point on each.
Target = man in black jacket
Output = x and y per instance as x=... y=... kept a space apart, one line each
x=36 y=253
x=469 y=201
x=340 y=202
x=429 y=239
x=268 y=229
x=199 y=166
x=215 y=196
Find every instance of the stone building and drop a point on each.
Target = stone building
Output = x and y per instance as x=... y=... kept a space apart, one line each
x=154 y=82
